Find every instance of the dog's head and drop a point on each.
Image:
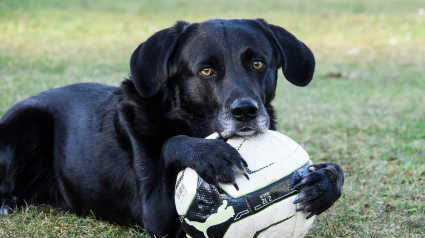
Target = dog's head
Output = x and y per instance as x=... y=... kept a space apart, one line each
x=222 y=70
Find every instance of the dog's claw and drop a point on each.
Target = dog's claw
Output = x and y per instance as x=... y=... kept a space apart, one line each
x=299 y=200
x=300 y=209
x=236 y=186
x=244 y=163
x=311 y=214
x=246 y=175
x=297 y=185
x=218 y=188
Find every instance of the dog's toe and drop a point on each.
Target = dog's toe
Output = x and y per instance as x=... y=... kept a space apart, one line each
x=8 y=205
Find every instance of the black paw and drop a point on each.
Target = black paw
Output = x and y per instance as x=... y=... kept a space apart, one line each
x=214 y=161
x=7 y=205
x=217 y=161
x=320 y=187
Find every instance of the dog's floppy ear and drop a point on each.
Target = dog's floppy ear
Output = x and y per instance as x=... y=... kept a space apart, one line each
x=149 y=62
x=295 y=58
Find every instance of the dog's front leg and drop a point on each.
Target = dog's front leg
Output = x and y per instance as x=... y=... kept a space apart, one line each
x=213 y=160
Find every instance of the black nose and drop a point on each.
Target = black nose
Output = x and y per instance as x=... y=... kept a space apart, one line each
x=244 y=110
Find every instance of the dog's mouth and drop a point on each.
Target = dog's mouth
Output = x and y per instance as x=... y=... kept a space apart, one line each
x=246 y=131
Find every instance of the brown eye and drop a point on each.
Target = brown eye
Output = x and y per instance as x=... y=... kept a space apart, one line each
x=257 y=65
x=206 y=71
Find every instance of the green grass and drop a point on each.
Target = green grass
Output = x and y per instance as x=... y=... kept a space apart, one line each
x=373 y=124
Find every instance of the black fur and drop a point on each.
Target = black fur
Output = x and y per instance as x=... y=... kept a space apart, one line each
x=117 y=150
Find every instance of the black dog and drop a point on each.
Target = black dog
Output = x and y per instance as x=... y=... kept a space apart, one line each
x=117 y=151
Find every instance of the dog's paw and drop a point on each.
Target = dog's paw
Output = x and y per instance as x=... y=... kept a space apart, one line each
x=320 y=187
x=213 y=160
x=217 y=161
x=7 y=205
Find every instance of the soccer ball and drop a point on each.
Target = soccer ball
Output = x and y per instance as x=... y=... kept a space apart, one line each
x=263 y=205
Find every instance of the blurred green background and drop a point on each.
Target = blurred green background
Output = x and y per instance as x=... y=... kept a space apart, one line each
x=365 y=108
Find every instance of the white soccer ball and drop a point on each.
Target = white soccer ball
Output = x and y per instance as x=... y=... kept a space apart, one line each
x=263 y=205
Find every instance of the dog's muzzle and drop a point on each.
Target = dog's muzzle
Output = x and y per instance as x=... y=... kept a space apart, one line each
x=246 y=118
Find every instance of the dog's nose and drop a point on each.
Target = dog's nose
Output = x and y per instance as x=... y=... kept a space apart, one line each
x=244 y=110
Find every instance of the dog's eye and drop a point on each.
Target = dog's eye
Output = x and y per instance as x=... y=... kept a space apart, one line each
x=206 y=71
x=257 y=64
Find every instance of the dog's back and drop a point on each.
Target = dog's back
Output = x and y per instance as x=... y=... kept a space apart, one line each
x=32 y=132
